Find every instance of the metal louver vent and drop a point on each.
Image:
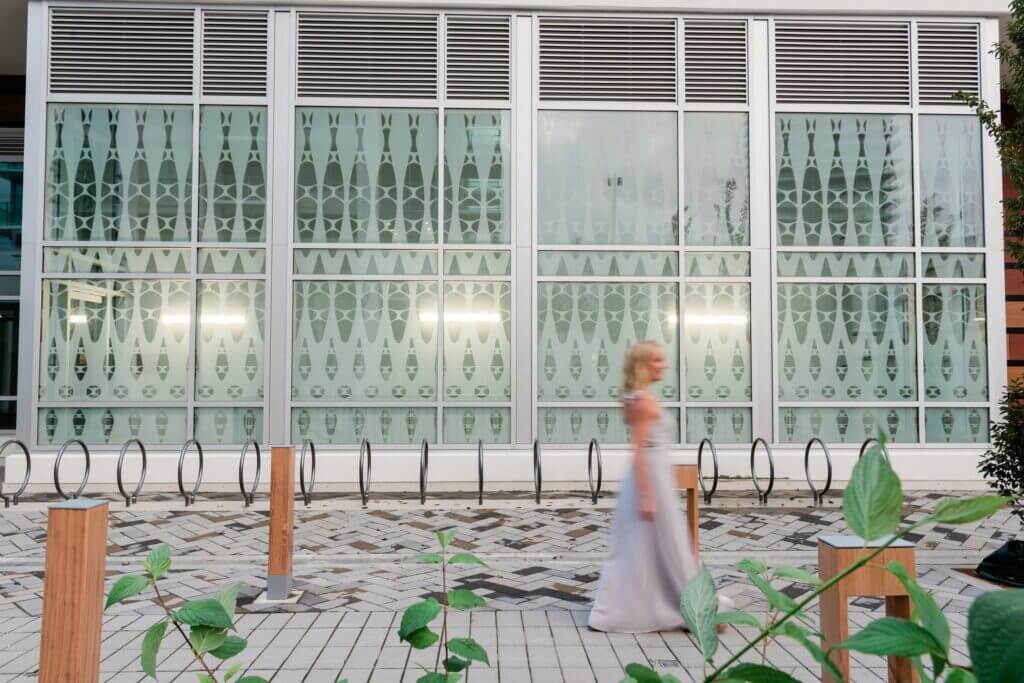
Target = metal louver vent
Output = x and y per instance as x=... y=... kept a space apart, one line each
x=842 y=62
x=477 y=52
x=948 y=60
x=630 y=60
x=367 y=55
x=123 y=50
x=716 y=60
x=234 y=53
x=12 y=141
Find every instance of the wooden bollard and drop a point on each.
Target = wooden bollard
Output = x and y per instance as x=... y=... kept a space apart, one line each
x=76 y=560
x=282 y=522
x=686 y=478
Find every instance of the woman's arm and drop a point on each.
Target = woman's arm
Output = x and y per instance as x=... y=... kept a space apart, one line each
x=640 y=415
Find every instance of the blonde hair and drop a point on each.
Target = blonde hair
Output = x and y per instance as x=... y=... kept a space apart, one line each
x=636 y=367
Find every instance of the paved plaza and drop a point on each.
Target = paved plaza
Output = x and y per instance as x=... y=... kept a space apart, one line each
x=357 y=572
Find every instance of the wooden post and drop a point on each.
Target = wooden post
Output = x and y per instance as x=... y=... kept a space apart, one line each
x=76 y=559
x=282 y=522
x=686 y=478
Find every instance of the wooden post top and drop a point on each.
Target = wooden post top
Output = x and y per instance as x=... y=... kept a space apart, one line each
x=78 y=504
x=845 y=542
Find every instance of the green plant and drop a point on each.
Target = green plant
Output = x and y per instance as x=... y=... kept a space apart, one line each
x=459 y=653
x=1003 y=464
x=872 y=505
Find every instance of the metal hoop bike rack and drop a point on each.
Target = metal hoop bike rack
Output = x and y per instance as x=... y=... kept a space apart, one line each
x=14 y=498
x=249 y=495
x=708 y=493
x=818 y=495
x=424 y=467
x=538 y=472
x=56 y=468
x=190 y=496
x=594 y=449
x=307 y=491
x=132 y=497
x=480 y=471
x=365 y=455
x=867 y=442
x=762 y=494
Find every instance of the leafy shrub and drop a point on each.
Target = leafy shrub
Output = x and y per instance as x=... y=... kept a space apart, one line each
x=1003 y=464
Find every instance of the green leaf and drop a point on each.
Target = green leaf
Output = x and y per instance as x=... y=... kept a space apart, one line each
x=205 y=639
x=252 y=679
x=699 y=607
x=206 y=612
x=797 y=574
x=126 y=587
x=669 y=678
x=469 y=649
x=777 y=600
x=926 y=611
x=751 y=566
x=890 y=636
x=960 y=676
x=739 y=619
x=758 y=673
x=417 y=616
x=232 y=672
x=151 y=647
x=803 y=636
x=873 y=497
x=422 y=638
x=995 y=639
x=445 y=537
x=642 y=674
x=429 y=558
x=158 y=561
x=232 y=645
x=466 y=558
x=461 y=598
x=228 y=598
x=967 y=510
x=206 y=678
x=455 y=664
x=432 y=677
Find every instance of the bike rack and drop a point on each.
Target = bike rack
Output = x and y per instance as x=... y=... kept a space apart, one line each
x=819 y=496
x=307 y=492
x=592 y=449
x=56 y=468
x=480 y=471
x=762 y=494
x=537 y=471
x=250 y=495
x=364 y=483
x=13 y=498
x=870 y=440
x=132 y=497
x=708 y=493
x=424 y=466
x=190 y=496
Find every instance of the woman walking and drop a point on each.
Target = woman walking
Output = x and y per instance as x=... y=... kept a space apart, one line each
x=650 y=555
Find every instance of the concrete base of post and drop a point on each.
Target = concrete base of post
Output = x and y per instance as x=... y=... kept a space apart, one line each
x=291 y=598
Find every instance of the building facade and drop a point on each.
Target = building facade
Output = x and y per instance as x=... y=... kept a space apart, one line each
x=448 y=223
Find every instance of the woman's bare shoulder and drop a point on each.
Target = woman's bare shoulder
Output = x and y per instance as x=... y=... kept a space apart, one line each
x=642 y=405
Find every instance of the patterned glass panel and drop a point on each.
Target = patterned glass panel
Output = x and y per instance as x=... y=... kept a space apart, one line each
x=365 y=341
x=349 y=425
x=469 y=425
x=366 y=175
x=579 y=425
x=119 y=172
x=856 y=264
x=716 y=330
x=848 y=425
x=846 y=342
x=955 y=348
x=585 y=329
x=365 y=262
x=478 y=263
x=953 y=265
x=153 y=426
x=229 y=346
x=952 y=213
x=716 y=179
x=717 y=264
x=721 y=425
x=476 y=193
x=233 y=261
x=228 y=425
x=103 y=260
x=477 y=351
x=232 y=174
x=12 y=175
x=607 y=178
x=9 y=322
x=844 y=180
x=608 y=263
x=114 y=339
x=956 y=425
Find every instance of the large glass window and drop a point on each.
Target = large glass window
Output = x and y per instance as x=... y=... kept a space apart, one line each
x=717 y=179
x=11 y=193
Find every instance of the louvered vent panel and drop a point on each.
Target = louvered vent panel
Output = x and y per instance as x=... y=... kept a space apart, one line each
x=842 y=62
x=367 y=55
x=234 y=53
x=716 y=60
x=477 y=52
x=948 y=60
x=121 y=50
x=607 y=59
x=12 y=141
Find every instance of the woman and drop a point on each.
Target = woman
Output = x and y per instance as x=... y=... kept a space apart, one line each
x=650 y=556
